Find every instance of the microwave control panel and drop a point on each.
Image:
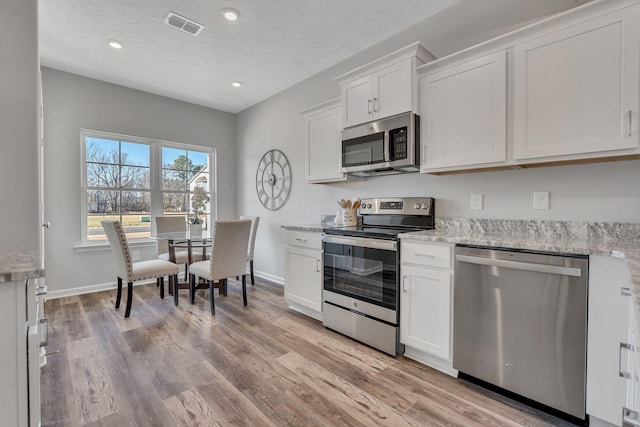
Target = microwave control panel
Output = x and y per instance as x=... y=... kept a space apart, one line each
x=398 y=143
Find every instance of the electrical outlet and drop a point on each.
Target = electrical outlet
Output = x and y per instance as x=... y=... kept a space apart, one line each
x=476 y=202
x=135 y=255
x=541 y=200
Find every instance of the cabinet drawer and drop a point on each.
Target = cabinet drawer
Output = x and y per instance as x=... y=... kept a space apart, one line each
x=305 y=239
x=426 y=254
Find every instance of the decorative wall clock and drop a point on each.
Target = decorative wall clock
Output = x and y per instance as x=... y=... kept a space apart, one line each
x=273 y=180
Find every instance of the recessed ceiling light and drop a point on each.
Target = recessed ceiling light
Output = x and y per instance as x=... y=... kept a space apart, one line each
x=230 y=14
x=115 y=44
x=236 y=84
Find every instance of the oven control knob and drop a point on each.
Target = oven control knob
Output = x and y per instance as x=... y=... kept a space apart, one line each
x=416 y=206
x=426 y=205
x=368 y=206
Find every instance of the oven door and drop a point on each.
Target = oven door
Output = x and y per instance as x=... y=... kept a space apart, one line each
x=362 y=268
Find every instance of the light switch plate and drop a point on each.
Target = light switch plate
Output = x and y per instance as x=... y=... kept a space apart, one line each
x=476 y=202
x=541 y=200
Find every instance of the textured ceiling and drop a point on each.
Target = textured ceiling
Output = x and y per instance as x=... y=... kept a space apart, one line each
x=274 y=44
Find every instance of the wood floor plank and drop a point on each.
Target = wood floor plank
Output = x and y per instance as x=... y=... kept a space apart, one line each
x=263 y=364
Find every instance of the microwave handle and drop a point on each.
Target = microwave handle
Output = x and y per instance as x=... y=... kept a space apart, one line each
x=387 y=154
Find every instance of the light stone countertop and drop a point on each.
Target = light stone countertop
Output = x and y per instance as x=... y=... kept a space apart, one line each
x=584 y=238
x=310 y=227
x=18 y=266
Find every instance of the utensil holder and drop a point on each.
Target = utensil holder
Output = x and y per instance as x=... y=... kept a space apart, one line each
x=349 y=217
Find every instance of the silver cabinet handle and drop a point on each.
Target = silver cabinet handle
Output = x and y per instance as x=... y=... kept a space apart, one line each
x=375 y=109
x=625 y=346
x=318 y=265
x=424 y=255
x=424 y=153
x=46 y=224
x=41 y=290
x=625 y=292
x=45 y=323
x=404 y=284
x=300 y=240
x=629 y=123
x=369 y=106
x=630 y=418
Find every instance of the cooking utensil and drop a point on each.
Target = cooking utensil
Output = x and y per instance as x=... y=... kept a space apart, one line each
x=356 y=204
x=342 y=203
x=348 y=204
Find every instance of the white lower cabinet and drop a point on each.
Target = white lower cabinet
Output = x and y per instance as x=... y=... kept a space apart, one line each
x=303 y=272
x=426 y=303
x=20 y=332
x=611 y=380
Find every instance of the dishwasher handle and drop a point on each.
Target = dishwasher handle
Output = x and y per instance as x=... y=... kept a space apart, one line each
x=518 y=265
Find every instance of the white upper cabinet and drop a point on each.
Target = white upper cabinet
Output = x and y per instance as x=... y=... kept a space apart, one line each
x=463 y=111
x=382 y=88
x=323 y=162
x=576 y=89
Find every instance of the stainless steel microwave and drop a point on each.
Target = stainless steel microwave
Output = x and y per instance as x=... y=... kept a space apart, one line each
x=384 y=147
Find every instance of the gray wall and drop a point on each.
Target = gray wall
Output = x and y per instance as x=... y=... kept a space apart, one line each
x=19 y=126
x=72 y=102
x=597 y=192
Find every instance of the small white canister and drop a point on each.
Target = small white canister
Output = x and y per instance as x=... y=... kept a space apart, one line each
x=349 y=217
x=338 y=220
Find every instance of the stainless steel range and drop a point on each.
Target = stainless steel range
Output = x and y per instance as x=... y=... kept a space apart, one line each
x=361 y=297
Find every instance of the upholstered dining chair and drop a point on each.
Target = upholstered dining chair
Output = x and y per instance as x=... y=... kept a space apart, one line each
x=167 y=224
x=255 y=220
x=228 y=259
x=131 y=271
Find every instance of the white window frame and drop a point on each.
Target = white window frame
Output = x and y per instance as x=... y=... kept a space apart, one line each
x=155 y=162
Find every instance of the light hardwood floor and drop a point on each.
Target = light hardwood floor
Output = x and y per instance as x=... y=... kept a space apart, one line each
x=263 y=365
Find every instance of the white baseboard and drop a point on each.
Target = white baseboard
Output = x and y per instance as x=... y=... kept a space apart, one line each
x=277 y=279
x=432 y=361
x=90 y=289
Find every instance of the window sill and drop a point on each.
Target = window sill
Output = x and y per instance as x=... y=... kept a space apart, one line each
x=104 y=246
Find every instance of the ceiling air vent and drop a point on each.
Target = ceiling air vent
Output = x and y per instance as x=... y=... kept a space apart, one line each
x=184 y=24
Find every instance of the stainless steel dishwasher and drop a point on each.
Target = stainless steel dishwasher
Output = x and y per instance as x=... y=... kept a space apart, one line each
x=520 y=323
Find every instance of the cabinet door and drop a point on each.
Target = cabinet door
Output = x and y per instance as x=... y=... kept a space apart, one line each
x=425 y=310
x=576 y=90
x=303 y=277
x=324 y=148
x=607 y=327
x=392 y=90
x=357 y=103
x=464 y=110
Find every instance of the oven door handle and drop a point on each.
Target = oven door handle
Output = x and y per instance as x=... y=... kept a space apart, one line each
x=387 y=245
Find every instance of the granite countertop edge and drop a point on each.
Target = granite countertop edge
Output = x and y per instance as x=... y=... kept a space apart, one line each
x=304 y=227
x=18 y=266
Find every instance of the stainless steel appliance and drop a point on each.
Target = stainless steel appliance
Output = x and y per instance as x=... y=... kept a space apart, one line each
x=361 y=275
x=384 y=147
x=520 y=323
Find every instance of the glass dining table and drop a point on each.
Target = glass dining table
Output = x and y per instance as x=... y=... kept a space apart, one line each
x=182 y=240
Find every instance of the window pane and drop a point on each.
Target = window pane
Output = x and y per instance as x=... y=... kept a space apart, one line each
x=100 y=205
x=134 y=154
x=103 y=175
x=136 y=213
x=199 y=180
x=135 y=178
x=102 y=150
x=175 y=202
x=174 y=180
x=171 y=156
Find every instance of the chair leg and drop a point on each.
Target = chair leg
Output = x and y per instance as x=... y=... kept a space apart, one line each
x=119 y=295
x=253 y=282
x=129 y=298
x=213 y=308
x=192 y=289
x=175 y=289
x=186 y=272
x=244 y=289
x=224 y=287
x=160 y=281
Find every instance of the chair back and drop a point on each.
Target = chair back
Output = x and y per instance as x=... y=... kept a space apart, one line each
x=119 y=249
x=229 y=252
x=167 y=224
x=255 y=220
